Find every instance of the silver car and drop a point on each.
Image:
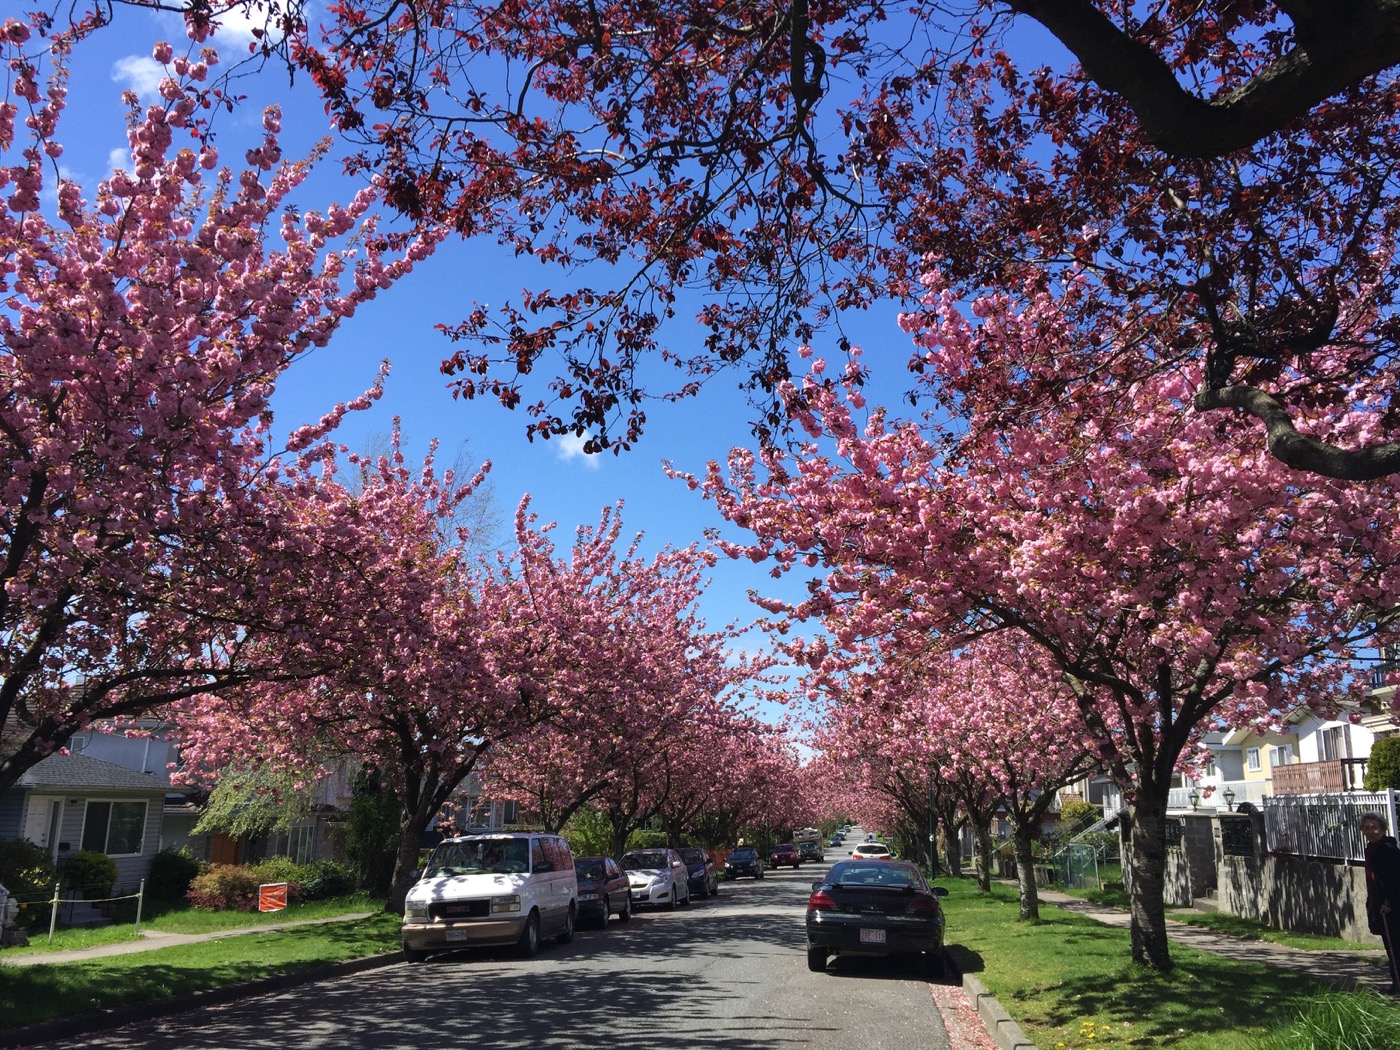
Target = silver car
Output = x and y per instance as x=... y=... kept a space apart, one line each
x=658 y=876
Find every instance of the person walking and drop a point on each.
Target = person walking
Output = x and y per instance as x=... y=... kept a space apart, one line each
x=1383 y=890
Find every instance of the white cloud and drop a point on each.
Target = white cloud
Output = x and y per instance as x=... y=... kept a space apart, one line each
x=141 y=74
x=570 y=446
x=118 y=159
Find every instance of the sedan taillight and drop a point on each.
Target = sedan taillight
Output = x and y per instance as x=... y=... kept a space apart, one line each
x=821 y=901
x=923 y=906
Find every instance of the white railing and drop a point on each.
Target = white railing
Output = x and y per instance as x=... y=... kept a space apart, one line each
x=1324 y=826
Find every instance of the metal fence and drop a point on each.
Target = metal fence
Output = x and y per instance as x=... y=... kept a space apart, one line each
x=1324 y=826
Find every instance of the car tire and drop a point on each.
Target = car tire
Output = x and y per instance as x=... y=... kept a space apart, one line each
x=529 y=943
x=686 y=903
x=714 y=890
x=413 y=955
x=797 y=865
x=566 y=935
x=626 y=911
x=760 y=874
x=816 y=958
x=607 y=913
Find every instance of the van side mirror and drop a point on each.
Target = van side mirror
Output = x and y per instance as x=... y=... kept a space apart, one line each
x=415 y=874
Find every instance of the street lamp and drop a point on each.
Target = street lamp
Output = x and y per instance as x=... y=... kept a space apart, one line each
x=1229 y=796
x=1194 y=797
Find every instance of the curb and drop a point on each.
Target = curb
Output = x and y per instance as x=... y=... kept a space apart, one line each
x=1003 y=1029
x=101 y=1020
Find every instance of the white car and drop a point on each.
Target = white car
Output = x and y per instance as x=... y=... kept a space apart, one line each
x=492 y=890
x=872 y=851
x=658 y=877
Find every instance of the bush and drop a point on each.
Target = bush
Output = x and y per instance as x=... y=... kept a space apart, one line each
x=277 y=869
x=1383 y=767
x=90 y=873
x=172 y=872
x=224 y=887
x=323 y=879
x=28 y=873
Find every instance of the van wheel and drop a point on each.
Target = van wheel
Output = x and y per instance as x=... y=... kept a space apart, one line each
x=529 y=942
x=567 y=933
x=626 y=912
x=607 y=913
x=413 y=955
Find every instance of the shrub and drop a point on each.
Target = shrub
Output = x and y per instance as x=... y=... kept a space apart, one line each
x=28 y=873
x=326 y=878
x=1383 y=767
x=277 y=869
x=172 y=872
x=90 y=873
x=647 y=839
x=224 y=887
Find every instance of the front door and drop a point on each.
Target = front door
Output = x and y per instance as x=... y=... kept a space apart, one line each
x=43 y=822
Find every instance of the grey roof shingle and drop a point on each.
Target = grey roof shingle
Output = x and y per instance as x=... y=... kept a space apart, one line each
x=80 y=773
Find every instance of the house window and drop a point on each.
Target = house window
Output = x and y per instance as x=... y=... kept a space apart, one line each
x=1251 y=759
x=299 y=844
x=1210 y=770
x=1281 y=755
x=1335 y=743
x=114 y=828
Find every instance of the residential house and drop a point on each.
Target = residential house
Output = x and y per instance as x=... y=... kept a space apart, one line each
x=70 y=802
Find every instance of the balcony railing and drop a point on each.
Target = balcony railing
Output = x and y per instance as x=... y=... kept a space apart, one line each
x=1320 y=778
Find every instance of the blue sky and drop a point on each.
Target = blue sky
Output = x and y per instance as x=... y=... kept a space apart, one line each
x=566 y=486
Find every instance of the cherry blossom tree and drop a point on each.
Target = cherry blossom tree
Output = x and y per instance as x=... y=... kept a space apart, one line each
x=142 y=551
x=1224 y=169
x=1170 y=574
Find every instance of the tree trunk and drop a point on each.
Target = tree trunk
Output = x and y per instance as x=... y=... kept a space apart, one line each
x=411 y=829
x=984 y=858
x=1022 y=842
x=1148 y=857
x=952 y=849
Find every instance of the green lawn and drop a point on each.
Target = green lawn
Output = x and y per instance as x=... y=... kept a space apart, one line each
x=45 y=991
x=1070 y=982
x=188 y=920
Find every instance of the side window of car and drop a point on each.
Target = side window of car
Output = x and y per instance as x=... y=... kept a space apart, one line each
x=558 y=852
x=539 y=861
x=614 y=869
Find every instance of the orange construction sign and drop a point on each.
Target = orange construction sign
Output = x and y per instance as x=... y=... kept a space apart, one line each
x=272 y=896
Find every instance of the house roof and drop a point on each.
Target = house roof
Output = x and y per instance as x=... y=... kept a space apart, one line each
x=80 y=773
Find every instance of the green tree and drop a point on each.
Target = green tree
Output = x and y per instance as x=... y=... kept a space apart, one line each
x=1383 y=769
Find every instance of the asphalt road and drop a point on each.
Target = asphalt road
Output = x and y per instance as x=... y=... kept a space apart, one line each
x=729 y=972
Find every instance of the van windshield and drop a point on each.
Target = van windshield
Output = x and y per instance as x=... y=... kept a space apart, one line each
x=498 y=856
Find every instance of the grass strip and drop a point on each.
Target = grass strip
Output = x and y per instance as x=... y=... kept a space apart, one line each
x=43 y=992
x=1071 y=984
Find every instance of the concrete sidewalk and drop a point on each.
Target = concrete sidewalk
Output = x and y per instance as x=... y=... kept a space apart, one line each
x=152 y=940
x=1340 y=969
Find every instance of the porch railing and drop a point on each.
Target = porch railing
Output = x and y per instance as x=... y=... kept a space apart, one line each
x=1320 y=778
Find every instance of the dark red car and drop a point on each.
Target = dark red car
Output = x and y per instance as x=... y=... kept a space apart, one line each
x=782 y=854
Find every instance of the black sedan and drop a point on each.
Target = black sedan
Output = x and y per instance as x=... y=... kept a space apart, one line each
x=743 y=860
x=704 y=876
x=603 y=888
x=875 y=907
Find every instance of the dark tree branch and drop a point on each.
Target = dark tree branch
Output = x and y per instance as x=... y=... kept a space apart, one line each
x=1337 y=45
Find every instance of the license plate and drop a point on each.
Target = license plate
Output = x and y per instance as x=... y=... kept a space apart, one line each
x=872 y=936
x=461 y=935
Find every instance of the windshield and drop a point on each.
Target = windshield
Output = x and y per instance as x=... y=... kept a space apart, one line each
x=495 y=856
x=646 y=859
x=692 y=856
x=743 y=854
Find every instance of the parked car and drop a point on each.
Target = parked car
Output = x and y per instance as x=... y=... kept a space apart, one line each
x=704 y=875
x=603 y=888
x=658 y=877
x=743 y=860
x=784 y=853
x=872 y=851
x=491 y=890
x=810 y=851
x=875 y=908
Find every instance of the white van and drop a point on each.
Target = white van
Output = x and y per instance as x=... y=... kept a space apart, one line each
x=491 y=890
